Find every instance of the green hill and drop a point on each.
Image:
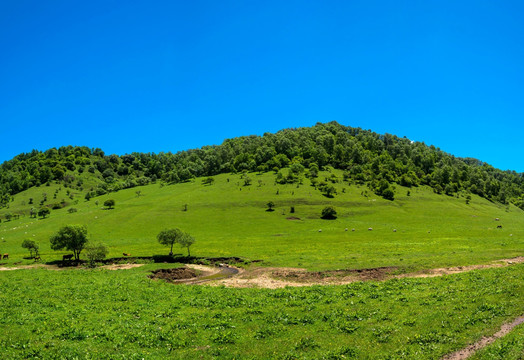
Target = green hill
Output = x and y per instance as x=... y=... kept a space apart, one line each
x=379 y=161
x=229 y=218
x=400 y=205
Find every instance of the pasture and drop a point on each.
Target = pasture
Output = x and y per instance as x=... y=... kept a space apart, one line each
x=99 y=314
x=230 y=219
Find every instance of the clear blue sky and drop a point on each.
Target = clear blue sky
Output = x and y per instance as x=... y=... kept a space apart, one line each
x=155 y=76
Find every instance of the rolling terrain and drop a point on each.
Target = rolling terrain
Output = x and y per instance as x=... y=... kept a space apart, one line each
x=421 y=231
x=430 y=239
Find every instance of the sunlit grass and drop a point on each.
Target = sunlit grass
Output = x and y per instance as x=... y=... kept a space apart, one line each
x=229 y=219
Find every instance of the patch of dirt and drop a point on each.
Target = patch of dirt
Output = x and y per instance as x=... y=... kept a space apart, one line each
x=260 y=278
x=273 y=278
x=292 y=218
x=204 y=269
x=460 y=269
x=281 y=277
x=8 y=268
x=334 y=275
x=34 y=266
x=175 y=274
x=484 y=341
x=121 y=266
x=196 y=274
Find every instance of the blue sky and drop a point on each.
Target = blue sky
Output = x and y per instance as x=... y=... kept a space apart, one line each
x=172 y=75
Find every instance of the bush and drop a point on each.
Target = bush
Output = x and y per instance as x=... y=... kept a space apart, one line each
x=32 y=246
x=388 y=194
x=329 y=213
x=109 y=203
x=95 y=252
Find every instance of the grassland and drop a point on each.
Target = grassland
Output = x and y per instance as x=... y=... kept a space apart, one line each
x=100 y=314
x=511 y=347
x=95 y=314
x=229 y=219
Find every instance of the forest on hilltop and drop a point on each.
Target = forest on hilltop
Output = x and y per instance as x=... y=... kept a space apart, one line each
x=380 y=161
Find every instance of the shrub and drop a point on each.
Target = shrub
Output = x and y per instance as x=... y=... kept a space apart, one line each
x=32 y=246
x=329 y=213
x=109 y=203
x=95 y=252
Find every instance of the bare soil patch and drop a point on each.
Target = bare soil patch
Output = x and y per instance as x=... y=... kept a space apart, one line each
x=484 y=341
x=33 y=266
x=459 y=269
x=195 y=274
x=281 y=277
x=121 y=266
x=292 y=218
x=175 y=274
x=333 y=275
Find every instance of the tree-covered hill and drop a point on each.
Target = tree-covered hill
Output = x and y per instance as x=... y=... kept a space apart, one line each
x=380 y=161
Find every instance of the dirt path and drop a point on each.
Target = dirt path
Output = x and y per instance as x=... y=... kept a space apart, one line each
x=121 y=266
x=459 y=269
x=485 y=341
x=195 y=274
x=273 y=278
x=34 y=266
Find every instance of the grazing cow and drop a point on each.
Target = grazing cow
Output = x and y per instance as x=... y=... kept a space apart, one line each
x=6 y=256
x=67 y=257
x=499 y=226
x=370 y=229
x=37 y=258
x=126 y=254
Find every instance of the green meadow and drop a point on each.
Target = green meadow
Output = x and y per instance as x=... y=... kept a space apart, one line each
x=228 y=218
x=82 y=313
x=510 y=347
x=102 y=314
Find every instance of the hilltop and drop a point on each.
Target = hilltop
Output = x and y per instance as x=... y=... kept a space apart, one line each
x=367 y=158
x=426 y=208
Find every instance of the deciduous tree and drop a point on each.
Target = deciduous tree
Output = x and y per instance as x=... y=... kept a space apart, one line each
x=70 y=237
x=32 y=246
x=110 y=203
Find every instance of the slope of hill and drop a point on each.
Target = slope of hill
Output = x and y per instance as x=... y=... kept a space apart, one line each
x=229 y=218
x=378 y=161
x=446 y=212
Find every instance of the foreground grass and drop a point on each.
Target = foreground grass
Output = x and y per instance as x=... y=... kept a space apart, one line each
x=95 y=314
x=229 y=219
x=510 y=347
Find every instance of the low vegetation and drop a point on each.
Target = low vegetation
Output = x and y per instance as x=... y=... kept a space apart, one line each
x=71 y=313
x=381 y=162
x=510 y=347
x=426 y=209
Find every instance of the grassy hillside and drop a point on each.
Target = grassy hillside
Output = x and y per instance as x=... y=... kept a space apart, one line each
x=230 y=219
